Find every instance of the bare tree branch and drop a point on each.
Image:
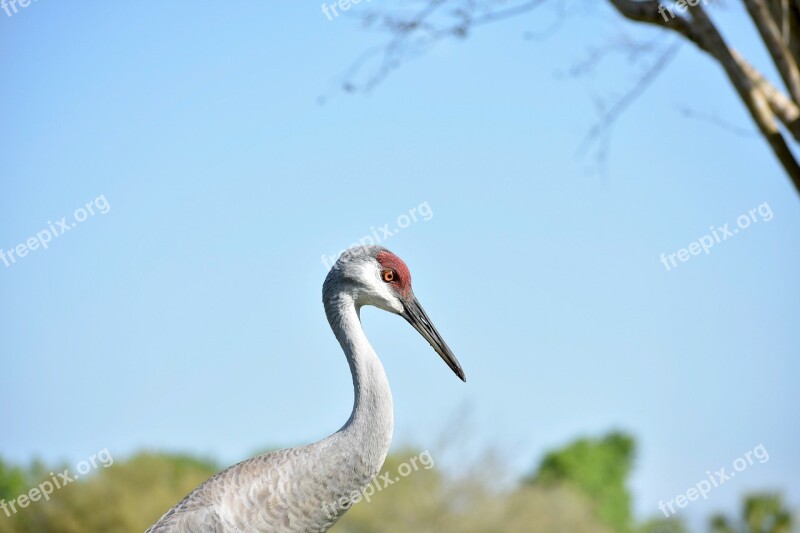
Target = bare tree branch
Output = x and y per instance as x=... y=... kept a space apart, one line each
x=774 y=111
x=717 y=121
x=777 y=46
x=785 y=109
x=405 y=31
x=701 y=30
x=609 y=117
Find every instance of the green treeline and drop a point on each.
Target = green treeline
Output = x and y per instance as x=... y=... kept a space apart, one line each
x=580 y=488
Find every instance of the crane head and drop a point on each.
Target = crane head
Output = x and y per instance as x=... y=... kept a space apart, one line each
x=375 y=276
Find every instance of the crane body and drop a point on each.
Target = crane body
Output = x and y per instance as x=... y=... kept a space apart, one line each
x=302 y=489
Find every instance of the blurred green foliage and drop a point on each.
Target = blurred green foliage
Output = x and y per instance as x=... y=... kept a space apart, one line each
x=125 y=497
x=761 y=513
x=599 y=468
x=580 y=488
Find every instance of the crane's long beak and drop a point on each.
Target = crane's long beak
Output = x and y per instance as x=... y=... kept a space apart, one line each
x=416 y=316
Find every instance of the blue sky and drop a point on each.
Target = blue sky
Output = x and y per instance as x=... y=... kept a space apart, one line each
x=188 y=317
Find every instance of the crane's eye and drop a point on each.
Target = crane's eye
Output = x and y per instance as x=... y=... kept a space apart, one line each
x=389 y=276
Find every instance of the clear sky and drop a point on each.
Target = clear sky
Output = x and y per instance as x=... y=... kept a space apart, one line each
x=188 y=316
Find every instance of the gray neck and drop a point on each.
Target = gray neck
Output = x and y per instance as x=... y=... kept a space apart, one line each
x=368 y=432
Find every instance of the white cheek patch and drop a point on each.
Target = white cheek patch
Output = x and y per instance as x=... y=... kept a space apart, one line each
x=381 y=293
x=389 y=299
x=396 y=305
x=369 y=276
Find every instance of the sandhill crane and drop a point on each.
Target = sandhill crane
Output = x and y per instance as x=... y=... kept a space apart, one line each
x=308 y=489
